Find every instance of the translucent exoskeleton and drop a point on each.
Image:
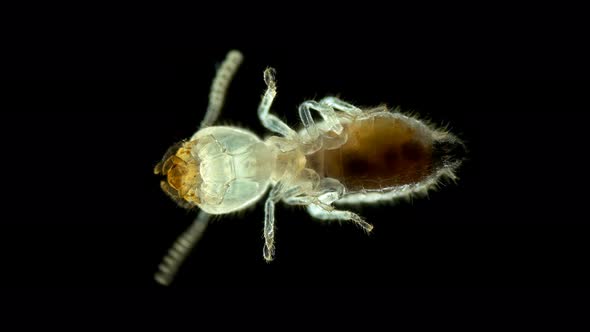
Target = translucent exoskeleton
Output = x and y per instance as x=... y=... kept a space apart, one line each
x=351 y=156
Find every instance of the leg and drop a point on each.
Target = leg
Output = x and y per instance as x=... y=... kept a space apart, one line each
x=219 y=86
x=296 y=196
x=269 y=223
x=297 y=200
x=341 y=105
x=319 y=213
x=330 y=191
x=270 y=121
x=306 y=201
x=327 y=112
x=180 y=249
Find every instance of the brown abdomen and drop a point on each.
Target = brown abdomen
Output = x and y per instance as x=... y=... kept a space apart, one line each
x=381 y=152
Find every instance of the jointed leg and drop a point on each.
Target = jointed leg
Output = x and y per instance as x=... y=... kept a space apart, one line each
x=327 y=113
x=219 y=86
x=330 y=191
x=319 y=213
x=270 y=121
x=180 y=249
x=269 y=223
x=341 y=105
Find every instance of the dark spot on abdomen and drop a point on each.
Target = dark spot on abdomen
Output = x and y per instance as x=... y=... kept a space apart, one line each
x=413 y=151
x=356 y=166
x=391 y=156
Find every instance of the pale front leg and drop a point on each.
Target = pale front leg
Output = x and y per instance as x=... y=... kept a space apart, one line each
x=180 y=249
x=269 y=223
x=270 y=121
x=219 y=86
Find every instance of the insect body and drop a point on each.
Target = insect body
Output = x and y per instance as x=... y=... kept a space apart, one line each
x=352 y=156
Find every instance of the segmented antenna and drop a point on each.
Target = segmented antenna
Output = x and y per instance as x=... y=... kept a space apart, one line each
x=181 y=249
x=219 y=86
x=184 y=244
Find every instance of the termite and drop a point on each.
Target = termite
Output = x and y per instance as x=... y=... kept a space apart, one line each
x=352 y=156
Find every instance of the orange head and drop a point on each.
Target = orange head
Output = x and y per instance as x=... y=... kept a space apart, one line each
x=182 y=172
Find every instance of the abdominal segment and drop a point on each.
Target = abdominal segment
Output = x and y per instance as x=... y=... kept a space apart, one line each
x=381 y=152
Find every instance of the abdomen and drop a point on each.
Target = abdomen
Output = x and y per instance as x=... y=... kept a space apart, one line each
x=383 y=150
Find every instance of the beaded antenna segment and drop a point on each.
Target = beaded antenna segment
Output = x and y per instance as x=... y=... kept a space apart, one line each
x=352 y=156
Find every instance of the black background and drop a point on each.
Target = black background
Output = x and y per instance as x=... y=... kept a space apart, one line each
x=84 y=126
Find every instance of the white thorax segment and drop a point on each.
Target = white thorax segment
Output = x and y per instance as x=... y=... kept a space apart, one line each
x=235 y=166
